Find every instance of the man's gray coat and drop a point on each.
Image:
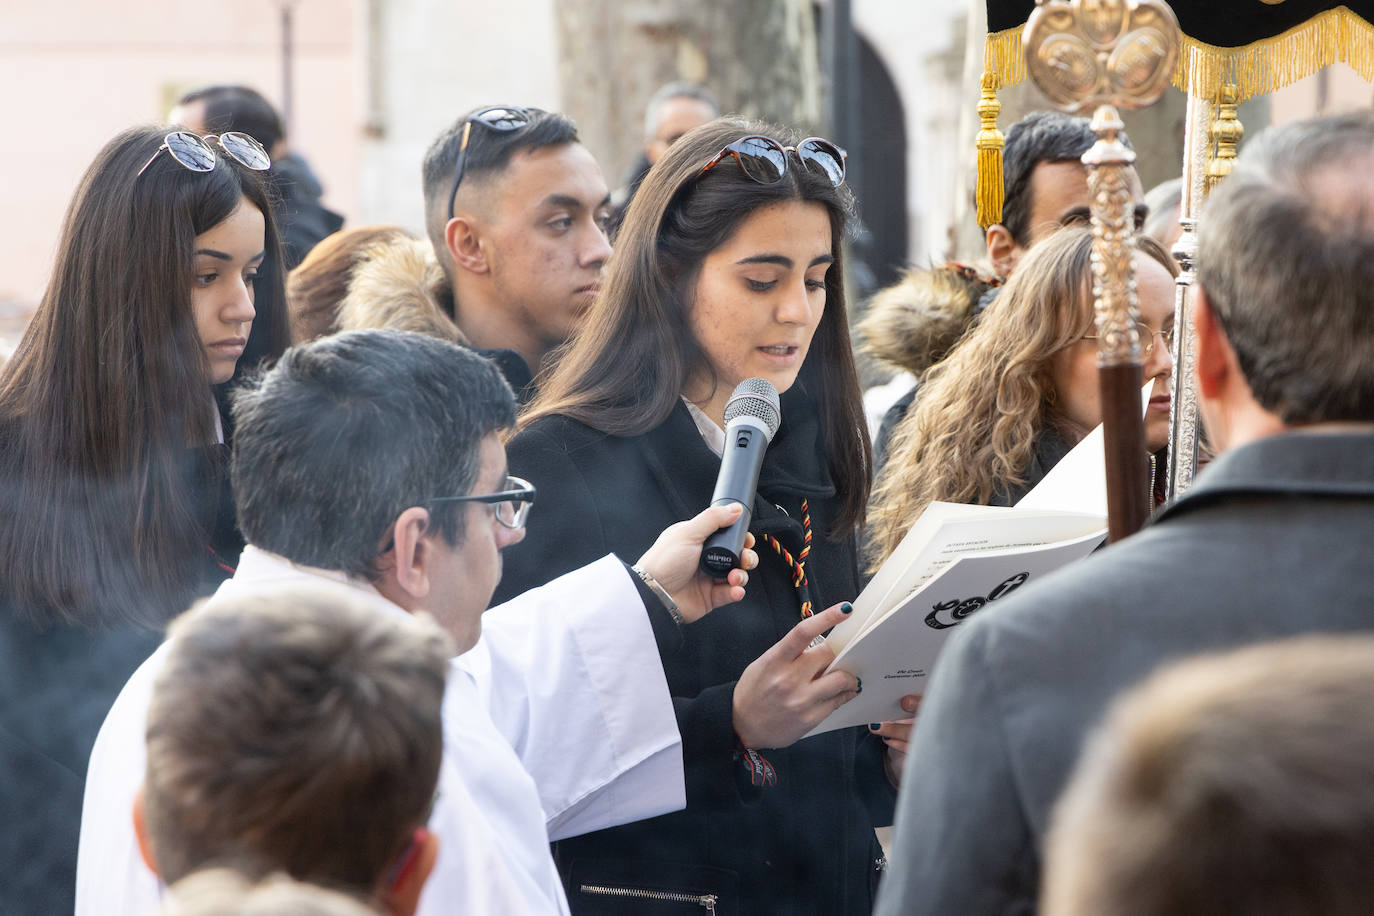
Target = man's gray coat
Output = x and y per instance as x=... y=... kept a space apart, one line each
x=1276 y=539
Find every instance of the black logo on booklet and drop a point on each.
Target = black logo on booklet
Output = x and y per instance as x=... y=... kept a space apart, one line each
x=951 y=613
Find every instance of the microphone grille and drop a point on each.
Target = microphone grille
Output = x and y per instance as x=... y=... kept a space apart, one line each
x=757 y=398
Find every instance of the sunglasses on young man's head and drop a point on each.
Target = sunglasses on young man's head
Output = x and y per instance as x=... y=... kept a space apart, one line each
x=193 y=151
x=502 y=119
x=765 y=160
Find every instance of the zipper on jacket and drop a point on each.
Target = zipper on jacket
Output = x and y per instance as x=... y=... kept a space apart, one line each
x=1150 y=498
x=705 y=901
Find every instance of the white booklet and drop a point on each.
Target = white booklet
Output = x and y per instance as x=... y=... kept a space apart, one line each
x=956 y=559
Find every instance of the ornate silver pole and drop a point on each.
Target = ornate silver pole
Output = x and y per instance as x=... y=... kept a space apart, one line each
x=1104 y=54
x=1183 y=411
x=1210 y=125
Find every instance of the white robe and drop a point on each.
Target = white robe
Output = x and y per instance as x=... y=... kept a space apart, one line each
x=558 y=722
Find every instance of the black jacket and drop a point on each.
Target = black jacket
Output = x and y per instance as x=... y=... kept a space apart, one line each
x=57 y=682
x=804 y=845
x=1271 y=542
x=304 y=220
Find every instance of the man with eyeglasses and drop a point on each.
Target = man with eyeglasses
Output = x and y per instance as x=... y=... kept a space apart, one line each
x=517 y=211
x=373 y=459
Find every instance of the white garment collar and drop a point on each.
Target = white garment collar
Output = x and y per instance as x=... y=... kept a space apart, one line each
x=713 y=434
x=262 y=567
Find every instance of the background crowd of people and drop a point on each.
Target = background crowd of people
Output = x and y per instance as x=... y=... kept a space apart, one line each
x=342 y=445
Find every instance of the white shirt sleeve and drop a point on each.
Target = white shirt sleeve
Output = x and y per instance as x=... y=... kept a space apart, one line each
x=111 y=879
x=572 y=678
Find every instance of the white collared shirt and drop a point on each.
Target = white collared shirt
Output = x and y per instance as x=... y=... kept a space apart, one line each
x=558 y=722
x=711 y=433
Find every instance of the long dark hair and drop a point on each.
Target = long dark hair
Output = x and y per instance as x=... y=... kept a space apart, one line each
x=626 y=367
x=99 y=404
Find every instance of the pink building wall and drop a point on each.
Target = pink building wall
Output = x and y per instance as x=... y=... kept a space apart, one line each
x=75 y=74
x=72 y=75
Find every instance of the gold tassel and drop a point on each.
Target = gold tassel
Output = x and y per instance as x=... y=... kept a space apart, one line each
x=989 y=143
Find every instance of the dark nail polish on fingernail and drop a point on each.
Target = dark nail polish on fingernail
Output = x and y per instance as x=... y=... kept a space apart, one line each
x=875 y=725
x=846 y=608
x=861 y=685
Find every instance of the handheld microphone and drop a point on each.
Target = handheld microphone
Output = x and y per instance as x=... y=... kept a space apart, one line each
x=752 y=418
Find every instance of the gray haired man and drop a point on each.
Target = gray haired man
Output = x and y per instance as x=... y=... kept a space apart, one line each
x=372 y=462
x=1272 y=541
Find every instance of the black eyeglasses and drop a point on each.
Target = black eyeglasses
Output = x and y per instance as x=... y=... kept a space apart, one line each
x=1147 y=339
x=193 y=151
x=502 y=119
x=512 y=504
x=765 y=160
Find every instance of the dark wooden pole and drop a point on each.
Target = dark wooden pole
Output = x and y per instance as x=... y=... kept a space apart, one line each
x=1128 y=476
x=1106 y=53
x=1118 y=336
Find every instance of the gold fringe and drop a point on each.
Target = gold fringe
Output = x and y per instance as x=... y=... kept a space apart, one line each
x=989 y=190
x=1272 y=63
x=1004 y=57
x=1337 y=35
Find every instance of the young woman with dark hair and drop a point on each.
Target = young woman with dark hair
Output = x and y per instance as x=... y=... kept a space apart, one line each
x=108 y=423
x=113 y=515
x=728 y=266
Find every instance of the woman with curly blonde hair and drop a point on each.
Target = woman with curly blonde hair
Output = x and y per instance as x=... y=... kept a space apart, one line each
x=1020 y=389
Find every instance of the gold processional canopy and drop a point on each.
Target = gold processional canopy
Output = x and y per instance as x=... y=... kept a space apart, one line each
x=1097 y=55
x=1250 y=47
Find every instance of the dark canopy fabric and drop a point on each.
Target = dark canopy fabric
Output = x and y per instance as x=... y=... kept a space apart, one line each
x=1225 y=23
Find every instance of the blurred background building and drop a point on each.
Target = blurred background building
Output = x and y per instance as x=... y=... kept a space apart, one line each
x=366 y=84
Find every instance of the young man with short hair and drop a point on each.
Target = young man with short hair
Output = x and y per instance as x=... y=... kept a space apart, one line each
x=1046 y=184
x=297 y=730
x=516 y=209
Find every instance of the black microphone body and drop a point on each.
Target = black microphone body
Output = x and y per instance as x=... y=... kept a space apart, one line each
x=752 y=418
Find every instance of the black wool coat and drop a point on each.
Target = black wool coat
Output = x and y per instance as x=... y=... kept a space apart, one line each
x=57 y=682
x=803 y=845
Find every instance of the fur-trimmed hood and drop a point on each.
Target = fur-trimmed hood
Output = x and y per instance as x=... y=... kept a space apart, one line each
x=399 y=286
x=912 y=324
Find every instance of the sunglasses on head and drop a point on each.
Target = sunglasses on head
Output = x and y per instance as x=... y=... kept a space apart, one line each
x=765 y=160
x=193 y=151
x=502 y=119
